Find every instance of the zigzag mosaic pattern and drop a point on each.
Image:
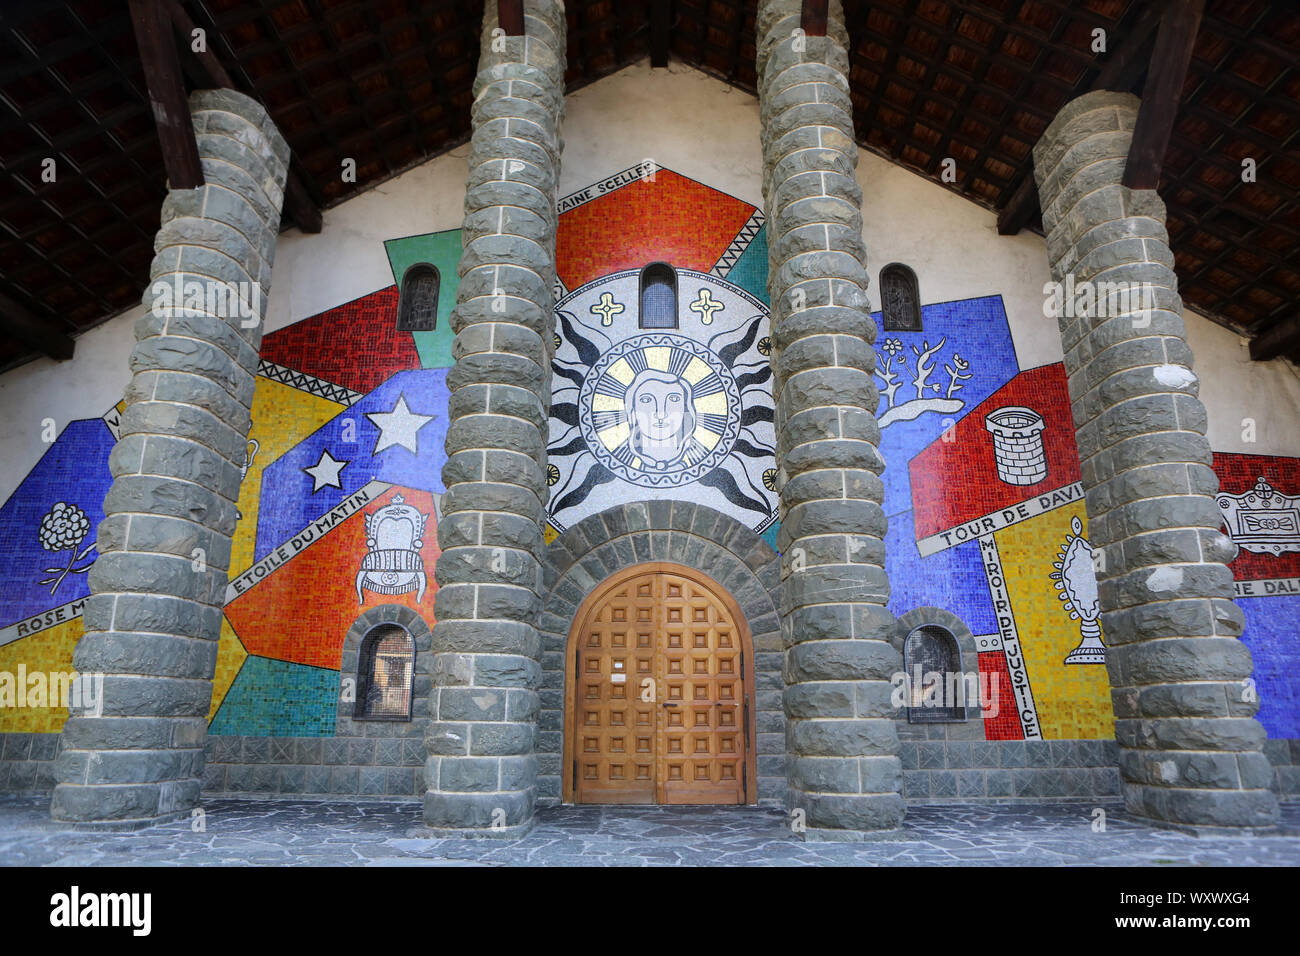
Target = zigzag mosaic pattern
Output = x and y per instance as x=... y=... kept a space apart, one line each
x=738 y=245
x=307 y=383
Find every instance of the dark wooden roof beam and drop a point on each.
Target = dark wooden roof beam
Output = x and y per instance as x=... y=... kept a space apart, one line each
x=167 y=97
x=813 y=17
x=510 y=17
x=1281 y=339
x=1121 y=71
x=660 y=28
x=297 y=200
x=1020 y=208
x=1161 y=93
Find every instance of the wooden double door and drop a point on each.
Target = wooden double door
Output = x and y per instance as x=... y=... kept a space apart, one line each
x=659 y=693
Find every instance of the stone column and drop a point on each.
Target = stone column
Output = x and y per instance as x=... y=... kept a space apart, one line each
x=1190 y=749
x=481 y=772
x=843 y=767
x=158 y=587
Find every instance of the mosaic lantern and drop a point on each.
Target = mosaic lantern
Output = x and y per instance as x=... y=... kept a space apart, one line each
x=251 y=449
x=1018 y=444
x=1076 y=579
x=394 y=535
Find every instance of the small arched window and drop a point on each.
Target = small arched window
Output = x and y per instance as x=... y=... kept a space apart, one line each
x=417 y=305
x=938 y=691
x=658 y=296
x=900 y=299
x=385 y=674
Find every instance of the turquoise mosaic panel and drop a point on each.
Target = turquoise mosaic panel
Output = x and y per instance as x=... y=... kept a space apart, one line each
x=750 y=270
x=441 y=250
x=272 y=698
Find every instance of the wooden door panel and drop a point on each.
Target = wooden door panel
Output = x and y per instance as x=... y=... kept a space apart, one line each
x=614 y=728
x=703 y=757
x=659 y=702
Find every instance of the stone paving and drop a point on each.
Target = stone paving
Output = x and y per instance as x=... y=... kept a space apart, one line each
x=243 y=832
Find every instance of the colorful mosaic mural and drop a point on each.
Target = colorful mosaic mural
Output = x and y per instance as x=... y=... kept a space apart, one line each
x=665 y=405
x=986 y=516
x=342 y=480
x=1260 y=499
x=338 y=512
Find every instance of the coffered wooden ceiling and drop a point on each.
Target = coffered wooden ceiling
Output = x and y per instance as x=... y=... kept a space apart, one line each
x=388 y=83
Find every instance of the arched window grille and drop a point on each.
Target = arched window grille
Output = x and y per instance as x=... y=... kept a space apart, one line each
x=938 y=691
x=658 y=296
x=900 y=299
x=417 y=306
x=385 y=674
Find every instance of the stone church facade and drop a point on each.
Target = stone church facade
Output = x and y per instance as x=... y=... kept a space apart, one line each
x=627 y=489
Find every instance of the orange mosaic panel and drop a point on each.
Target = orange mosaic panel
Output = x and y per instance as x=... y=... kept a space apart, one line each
x=302 y=610
x=670 y=218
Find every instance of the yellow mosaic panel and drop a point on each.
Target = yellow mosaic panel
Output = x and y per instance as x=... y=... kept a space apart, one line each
x=47 y=652
x=282 y=417
x=230 y=658
x=1073 y=700
x=549 y=534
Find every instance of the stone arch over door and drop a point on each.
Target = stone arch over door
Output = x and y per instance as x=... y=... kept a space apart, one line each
x=966 y=651
x=683 y=533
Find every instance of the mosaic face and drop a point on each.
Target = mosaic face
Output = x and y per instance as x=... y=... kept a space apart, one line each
x=640 y=413
x=661 y=410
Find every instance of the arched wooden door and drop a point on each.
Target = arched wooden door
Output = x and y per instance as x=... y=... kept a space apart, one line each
x=659 y=692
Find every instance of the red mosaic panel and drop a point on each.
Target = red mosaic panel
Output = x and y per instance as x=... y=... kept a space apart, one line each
x=1006 y=725
x=673 y=219
x=355 y=345
x=957 y=481
x=1237 y=475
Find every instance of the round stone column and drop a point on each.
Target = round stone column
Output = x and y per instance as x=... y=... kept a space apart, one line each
x=481 y=772
x=158 y=587
x=843 y=769
x=1190 y=749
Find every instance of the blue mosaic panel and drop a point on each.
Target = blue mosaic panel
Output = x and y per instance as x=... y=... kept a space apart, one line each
x=45 y=550
x=953 y=579
x=1271 y=636
x=278 y=699
x=394 y=434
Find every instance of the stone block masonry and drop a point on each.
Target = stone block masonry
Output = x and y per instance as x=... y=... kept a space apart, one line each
x=1190 y=750
x=842 y=765
x=154 y=614
x=481 y=774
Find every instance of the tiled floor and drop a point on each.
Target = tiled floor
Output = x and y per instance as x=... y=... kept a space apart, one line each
x=240 y=832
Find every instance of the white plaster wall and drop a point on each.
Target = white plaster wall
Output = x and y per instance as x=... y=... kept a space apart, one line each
x=700 y=127
x=679 y=117
x=1235 y=389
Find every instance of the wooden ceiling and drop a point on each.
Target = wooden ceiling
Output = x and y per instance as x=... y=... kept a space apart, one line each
x=388 y=84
